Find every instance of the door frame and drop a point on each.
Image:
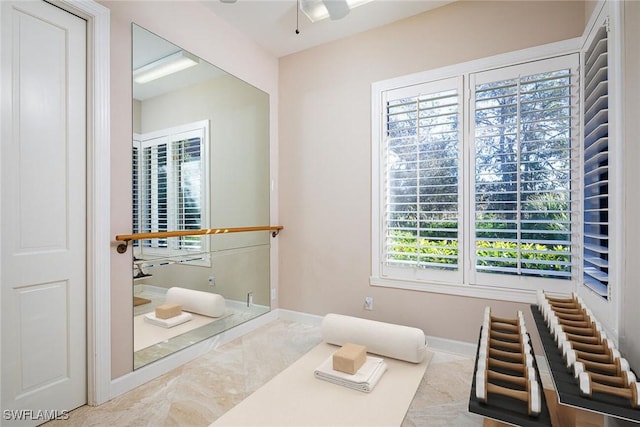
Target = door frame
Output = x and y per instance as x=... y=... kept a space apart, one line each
x=98 y=197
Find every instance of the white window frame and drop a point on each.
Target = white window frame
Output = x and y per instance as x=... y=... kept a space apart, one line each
x=610 y=13
x=198 y=129
x=464 y=288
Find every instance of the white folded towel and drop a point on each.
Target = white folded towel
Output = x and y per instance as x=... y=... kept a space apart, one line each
x=364 y=379
x=167 y=323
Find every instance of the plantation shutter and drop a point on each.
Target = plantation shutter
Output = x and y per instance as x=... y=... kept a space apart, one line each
x=187 y=172
x=523 y=130
x=154 y=190
x=170 y=188
x=135 y=188
x=596 y=166
x=422 y=189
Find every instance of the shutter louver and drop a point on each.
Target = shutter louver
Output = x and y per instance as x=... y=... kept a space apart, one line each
x=596 y=166
x=421 y=200
x=187 y=173
x=155 y=193
x=523 y=176
x=169 y=191
x=135 y=190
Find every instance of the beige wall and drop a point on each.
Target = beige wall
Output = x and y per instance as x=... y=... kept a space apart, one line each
x=325 y=154
x=589 y=7
x=192 y=26
x=238 y=116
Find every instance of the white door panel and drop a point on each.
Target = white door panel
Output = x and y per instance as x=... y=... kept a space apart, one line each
x=37 y=306
x=43 y=182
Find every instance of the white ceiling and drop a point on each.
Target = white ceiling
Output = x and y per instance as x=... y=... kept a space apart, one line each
x=272 y=23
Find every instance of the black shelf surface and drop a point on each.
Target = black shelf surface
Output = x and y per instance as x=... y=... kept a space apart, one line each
x=567 y=386
x=505 y=409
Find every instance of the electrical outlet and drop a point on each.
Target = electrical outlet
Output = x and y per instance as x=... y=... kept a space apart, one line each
x=368 y=303
x=274 y=294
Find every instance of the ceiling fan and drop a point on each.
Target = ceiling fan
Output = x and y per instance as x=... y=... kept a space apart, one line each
x=317 y=10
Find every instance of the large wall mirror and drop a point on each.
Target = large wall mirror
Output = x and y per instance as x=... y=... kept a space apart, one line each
x=200 y=160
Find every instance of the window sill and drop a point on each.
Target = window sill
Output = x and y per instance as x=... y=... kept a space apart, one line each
x=474 y=291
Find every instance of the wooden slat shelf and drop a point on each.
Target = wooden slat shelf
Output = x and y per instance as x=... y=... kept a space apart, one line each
x=567 y=388
x=505 y=410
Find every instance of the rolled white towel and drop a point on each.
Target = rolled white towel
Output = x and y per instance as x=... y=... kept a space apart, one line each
x=199 y=302
x=386 y=339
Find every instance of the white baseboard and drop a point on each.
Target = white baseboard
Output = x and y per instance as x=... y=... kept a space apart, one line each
x=452 y=346
x=300 y=317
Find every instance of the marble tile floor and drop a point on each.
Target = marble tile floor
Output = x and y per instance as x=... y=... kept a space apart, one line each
x=197 y=393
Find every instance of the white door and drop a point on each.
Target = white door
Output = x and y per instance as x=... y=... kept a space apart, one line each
x=43 y=213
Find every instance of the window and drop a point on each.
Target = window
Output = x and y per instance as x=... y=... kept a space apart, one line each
x=422 y=186
x=170 y=184
x=523 y=135
x=478 y=177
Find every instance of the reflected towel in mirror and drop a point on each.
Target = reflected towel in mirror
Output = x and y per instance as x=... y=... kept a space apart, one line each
x=167 y=323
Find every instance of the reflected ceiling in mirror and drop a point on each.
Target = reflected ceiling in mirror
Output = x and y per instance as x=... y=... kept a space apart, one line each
x=149 y=49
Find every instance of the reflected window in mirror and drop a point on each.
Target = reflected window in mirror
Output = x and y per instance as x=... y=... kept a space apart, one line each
x=170 y=190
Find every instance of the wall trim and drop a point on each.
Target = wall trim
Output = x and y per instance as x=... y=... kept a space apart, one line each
x=98 y=198
x=297 y=316
x=451 y=346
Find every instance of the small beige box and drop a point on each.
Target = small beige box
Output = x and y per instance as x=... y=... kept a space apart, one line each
x=167 y=311
x=349 y=358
